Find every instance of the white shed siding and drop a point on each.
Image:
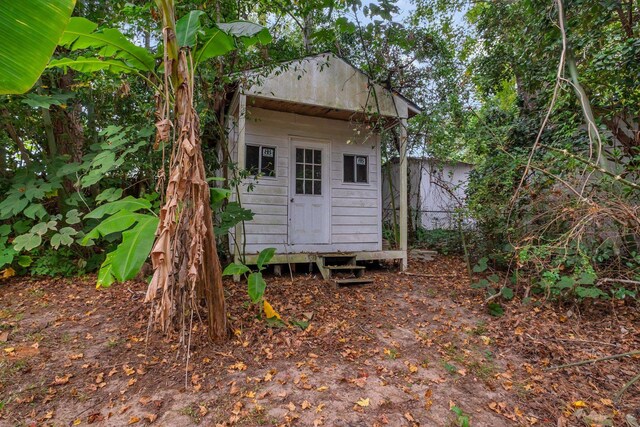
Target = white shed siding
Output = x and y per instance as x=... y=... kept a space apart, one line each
x=355 y=208
x=437 y=203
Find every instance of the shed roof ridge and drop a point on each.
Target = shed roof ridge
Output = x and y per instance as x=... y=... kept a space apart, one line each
x=409 y=102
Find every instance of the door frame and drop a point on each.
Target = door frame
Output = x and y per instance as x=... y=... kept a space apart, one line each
x=296 y=141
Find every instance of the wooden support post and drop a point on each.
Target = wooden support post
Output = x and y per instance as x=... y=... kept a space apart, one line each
x=404 y=211
x=240 y=149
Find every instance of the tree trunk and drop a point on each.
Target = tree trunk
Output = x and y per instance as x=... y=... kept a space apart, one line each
x=184 y=256
x=13 y=134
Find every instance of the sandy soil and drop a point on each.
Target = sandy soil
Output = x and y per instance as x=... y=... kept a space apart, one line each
x=405 y=350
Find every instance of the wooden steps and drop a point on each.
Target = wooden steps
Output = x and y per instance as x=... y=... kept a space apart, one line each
x=341 y=268
x=353 y=281
x=355 y=269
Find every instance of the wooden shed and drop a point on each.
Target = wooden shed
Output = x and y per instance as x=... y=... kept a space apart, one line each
x=303 y=130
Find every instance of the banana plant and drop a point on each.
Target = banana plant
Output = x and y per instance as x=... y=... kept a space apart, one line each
x=108 y=50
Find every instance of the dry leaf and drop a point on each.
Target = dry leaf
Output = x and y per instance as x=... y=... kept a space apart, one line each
x=363 y=402
x=150 y=417
x=8 y=272
x=133 y=420
x=234 y=389
x=62 y=380
x=239 y=366
x=428 y=399
x=237 y=407
x=162 y=130
x=95 y=417
x=269 y=311
x=144 y=400
x=607 y=402
x=306 y=405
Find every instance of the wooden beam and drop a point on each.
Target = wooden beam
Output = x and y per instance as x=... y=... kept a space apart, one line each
x=241 y=148
x=404 y=211
x=379 y=255
x=304 y=257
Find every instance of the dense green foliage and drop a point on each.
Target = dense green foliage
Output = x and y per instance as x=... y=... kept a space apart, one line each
x=548 y=117
x=79 y=175
x=554 y=131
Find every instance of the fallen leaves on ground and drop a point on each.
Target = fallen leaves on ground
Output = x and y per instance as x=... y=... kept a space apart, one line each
x=395 y=351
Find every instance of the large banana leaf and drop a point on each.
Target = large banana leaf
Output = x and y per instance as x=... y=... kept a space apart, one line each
x=134 y=249
x=129 y=203
x=30 y=31
x=110 y=43
x=249 y=32
x=114 y=224
x=90 y=65
x=105 y=275
x=214 y=42
x=187 y=27
x=221 y=39
x=126 y=260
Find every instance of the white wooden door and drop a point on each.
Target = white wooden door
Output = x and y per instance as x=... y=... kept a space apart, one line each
x=309 y=210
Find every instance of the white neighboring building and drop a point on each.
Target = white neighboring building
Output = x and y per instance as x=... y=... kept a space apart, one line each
x=436 y=191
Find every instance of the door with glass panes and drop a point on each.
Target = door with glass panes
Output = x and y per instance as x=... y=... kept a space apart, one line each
x=309 y=210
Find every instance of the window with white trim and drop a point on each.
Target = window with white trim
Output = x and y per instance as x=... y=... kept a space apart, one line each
x=260 y=159
x=308 y=171
x=355 y=168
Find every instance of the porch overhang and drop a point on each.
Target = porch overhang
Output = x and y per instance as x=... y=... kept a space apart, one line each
x=314 y=110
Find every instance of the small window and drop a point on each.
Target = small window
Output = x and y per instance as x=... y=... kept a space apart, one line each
x=356 y=168
x=261 y=160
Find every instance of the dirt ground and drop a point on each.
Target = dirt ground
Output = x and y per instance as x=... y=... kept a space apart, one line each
x=405 y=350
